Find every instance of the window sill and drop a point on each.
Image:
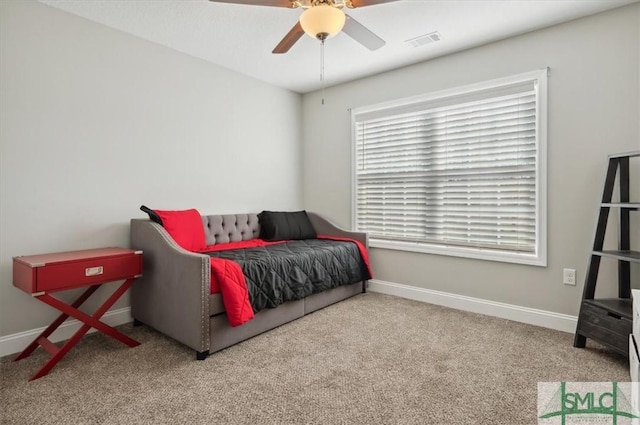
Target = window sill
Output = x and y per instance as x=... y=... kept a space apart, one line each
x=456 y=251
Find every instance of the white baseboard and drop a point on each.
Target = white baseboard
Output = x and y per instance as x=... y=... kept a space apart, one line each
x=17 y=342
x=532 y=316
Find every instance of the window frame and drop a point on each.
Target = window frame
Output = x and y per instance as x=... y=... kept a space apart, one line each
x=539 y=257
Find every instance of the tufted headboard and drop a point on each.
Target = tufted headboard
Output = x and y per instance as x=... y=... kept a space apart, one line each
x=230 y=228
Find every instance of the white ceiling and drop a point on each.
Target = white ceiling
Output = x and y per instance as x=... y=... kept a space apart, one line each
x=242 y=37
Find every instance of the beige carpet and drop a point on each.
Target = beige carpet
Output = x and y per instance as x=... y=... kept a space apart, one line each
x=372 y=359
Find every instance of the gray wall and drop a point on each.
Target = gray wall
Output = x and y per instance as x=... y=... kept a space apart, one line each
x=594 y=110
x=95 y=122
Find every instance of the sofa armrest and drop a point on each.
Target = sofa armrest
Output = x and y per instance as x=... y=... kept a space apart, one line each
x=172 y=296
x=323 y=226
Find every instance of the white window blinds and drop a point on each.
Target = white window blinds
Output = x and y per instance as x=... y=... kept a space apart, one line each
x=459 y=170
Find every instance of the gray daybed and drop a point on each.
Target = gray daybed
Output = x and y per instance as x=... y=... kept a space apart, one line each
x=173 y=295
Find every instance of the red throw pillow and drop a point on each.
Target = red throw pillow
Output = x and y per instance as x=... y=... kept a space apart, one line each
x=185 y=227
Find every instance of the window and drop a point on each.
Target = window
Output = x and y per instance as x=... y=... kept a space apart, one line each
x=459 y=172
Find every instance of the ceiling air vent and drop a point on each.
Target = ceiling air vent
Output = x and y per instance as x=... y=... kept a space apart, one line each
x=423 y=40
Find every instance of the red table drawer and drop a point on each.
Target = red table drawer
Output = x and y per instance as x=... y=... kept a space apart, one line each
x=66 y=270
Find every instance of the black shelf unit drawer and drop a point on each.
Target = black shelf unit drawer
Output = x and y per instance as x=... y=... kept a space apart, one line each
x=608 y=327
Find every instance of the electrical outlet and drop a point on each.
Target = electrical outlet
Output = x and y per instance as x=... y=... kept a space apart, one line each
x=569 y=276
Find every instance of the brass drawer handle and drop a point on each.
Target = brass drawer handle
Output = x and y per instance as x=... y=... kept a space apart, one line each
x=93 y=271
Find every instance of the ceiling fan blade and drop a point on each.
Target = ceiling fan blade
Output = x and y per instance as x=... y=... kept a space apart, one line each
x=290 y=39
x=274 y=3
x=363 y=3
x=362 y=35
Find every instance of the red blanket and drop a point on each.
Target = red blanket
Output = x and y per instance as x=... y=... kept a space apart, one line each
x=228 y=279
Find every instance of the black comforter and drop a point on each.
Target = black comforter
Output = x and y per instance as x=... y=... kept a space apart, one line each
x=293 y=270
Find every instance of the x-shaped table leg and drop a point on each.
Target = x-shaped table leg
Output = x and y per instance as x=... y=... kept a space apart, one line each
x=92 y=321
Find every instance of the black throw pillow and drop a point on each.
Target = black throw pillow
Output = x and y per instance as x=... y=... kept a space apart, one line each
x=285 y=225
x=152 y=215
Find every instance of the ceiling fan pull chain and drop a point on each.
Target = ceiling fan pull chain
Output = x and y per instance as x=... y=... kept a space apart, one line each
x=322 y=67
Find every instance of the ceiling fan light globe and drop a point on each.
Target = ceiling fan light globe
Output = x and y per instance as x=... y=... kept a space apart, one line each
x=322 y=19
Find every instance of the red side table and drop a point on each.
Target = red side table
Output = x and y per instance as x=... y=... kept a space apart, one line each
x=40 y=275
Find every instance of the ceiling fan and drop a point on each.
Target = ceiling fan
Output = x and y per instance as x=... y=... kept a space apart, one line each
x=322 y=19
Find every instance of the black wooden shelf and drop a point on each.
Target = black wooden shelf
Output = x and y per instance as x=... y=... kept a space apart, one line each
x=622 y=307
x=609 y=321
x=625 y=205
x=625 y=155
x=625 y=255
